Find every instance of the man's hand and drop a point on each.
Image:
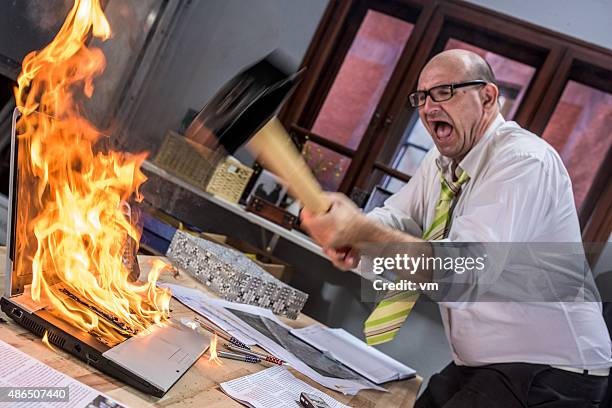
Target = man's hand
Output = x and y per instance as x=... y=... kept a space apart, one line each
x=337 y=231
x=344 y=231
x=344 y=259
x=337 y=228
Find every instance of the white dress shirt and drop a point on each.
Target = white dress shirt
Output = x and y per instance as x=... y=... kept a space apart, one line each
x=519 y=191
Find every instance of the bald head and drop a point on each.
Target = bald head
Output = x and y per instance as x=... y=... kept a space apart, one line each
x=457 y=116
x=466 y=64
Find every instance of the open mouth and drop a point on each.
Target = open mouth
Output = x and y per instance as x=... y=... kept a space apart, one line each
x=441 y=128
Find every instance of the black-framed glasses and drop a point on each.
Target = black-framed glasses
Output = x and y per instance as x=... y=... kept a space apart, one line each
x=440 y=93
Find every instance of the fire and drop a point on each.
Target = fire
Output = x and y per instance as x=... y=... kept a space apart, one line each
x=45 y=340
x=76 y=195
x=213 y=351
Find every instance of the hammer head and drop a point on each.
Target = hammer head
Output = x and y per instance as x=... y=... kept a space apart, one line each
x=245 y=103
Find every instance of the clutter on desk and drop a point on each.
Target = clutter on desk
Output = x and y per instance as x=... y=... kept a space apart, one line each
x=233 y=276
x=159 y=229
x=264 y=357
x=208 y=308
x=260 y=326
x=239 y=357
x=234 y=345
x=270 y=263
x=347 y=349
x=222 y=334
x=226 y=271
x=272 y=388
x=312 y=401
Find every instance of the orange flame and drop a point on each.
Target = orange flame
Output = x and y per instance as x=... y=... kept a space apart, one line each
x=73 y=195
x=45 y=340
x=214 y=357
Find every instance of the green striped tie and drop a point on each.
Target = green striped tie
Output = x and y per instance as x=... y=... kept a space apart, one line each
x=387 y=318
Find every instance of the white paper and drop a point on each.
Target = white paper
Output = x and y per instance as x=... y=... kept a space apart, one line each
x=219 y=311
x=208 y=307
x=17 y=369
x=274 y=387
x=354 y=353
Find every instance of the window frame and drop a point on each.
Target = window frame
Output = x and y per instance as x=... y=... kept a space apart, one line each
x=558 y=53
x=595 y=223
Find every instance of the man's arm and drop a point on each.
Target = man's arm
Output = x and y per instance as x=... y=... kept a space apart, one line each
x=345 y=231
x=403 y=211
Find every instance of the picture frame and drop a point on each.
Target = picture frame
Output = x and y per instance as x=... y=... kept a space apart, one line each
x=268 y=187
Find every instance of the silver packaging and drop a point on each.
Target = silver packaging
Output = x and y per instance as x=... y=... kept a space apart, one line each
x=233 y=276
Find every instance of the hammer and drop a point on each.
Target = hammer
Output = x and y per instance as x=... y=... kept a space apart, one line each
x=244 y=111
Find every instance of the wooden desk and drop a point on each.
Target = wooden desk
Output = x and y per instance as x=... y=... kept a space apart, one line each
x=199 y=387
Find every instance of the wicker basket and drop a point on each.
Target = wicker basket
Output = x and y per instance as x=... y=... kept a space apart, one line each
x=211 y=171
x=229 y=179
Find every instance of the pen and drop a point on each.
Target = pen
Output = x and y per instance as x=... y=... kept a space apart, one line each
x=268 y=358
x=222 y=334
x=239 y=357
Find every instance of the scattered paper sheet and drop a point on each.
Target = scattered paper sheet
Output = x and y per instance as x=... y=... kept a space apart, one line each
x=354 y=353
x=17 y=369
x=220 y=312
x=208 y=307
x=274 y=387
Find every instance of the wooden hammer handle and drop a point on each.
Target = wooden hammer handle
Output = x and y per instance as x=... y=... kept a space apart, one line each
x=273 y=148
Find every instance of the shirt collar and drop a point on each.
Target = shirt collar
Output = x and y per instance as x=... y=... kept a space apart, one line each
x=470 y=161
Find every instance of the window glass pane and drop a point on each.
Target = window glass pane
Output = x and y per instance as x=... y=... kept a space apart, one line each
x=328 y=166
x=380 y=186
x=419 y=135
x=410 y=159
x=377 y=198
x=392 y=184
x=580 y=131
x=513 y=77
x=416 y=142
x=361 y=80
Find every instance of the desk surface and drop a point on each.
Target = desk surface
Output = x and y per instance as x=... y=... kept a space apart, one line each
x=200 y=385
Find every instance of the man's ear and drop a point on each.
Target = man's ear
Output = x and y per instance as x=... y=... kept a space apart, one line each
x=490 y=93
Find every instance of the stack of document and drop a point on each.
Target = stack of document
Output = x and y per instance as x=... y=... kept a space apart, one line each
x=225 y=315
x=354 y=353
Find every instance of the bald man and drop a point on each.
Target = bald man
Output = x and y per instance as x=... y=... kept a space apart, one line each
x=501 y=183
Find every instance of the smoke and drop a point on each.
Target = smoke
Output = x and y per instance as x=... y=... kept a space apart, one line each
x=47 y=15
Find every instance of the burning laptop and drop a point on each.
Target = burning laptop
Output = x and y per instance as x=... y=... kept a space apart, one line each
x=71 y=237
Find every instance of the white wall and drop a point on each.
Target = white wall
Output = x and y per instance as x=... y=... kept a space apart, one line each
x=214 y=41
x=217 y=38
x=588 y=20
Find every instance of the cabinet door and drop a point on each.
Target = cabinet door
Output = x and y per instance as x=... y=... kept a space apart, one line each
x=576 y=119
x=356 y=80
